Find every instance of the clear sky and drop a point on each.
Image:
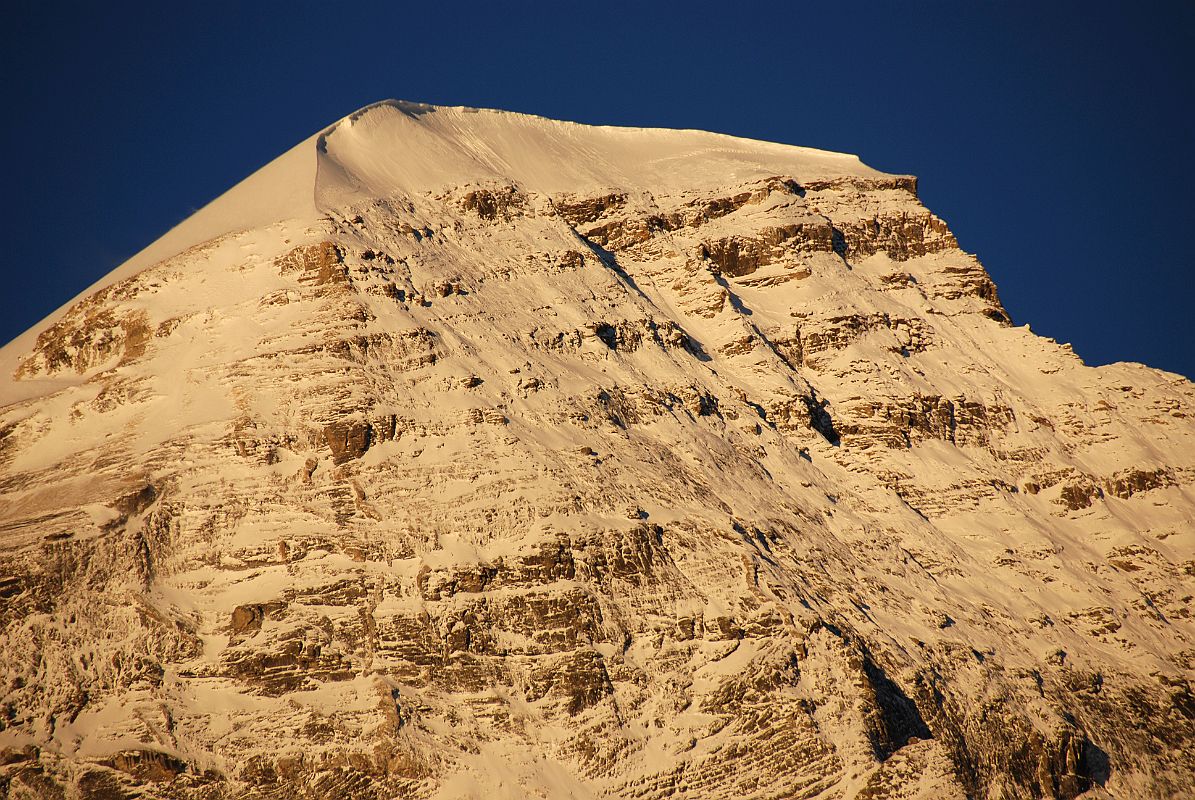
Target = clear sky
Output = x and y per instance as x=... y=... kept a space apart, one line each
x=1054 y=137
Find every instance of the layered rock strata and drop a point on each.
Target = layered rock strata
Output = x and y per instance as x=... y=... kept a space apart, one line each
x=545 y=460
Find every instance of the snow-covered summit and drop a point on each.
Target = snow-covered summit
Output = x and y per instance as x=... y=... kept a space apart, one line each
x=397 y=146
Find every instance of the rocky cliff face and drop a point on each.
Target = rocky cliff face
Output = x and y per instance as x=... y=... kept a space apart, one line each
x=554 y=461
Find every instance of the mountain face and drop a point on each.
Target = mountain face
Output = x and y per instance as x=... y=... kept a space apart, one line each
x=463 y=453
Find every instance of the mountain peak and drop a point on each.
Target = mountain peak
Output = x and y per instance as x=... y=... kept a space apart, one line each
x=464 y=453
x=396 y=145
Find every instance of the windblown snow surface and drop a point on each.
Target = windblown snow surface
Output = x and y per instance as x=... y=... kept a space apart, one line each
x=462 y=453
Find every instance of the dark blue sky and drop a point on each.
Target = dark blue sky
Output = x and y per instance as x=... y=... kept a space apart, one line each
x=1055 y=138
